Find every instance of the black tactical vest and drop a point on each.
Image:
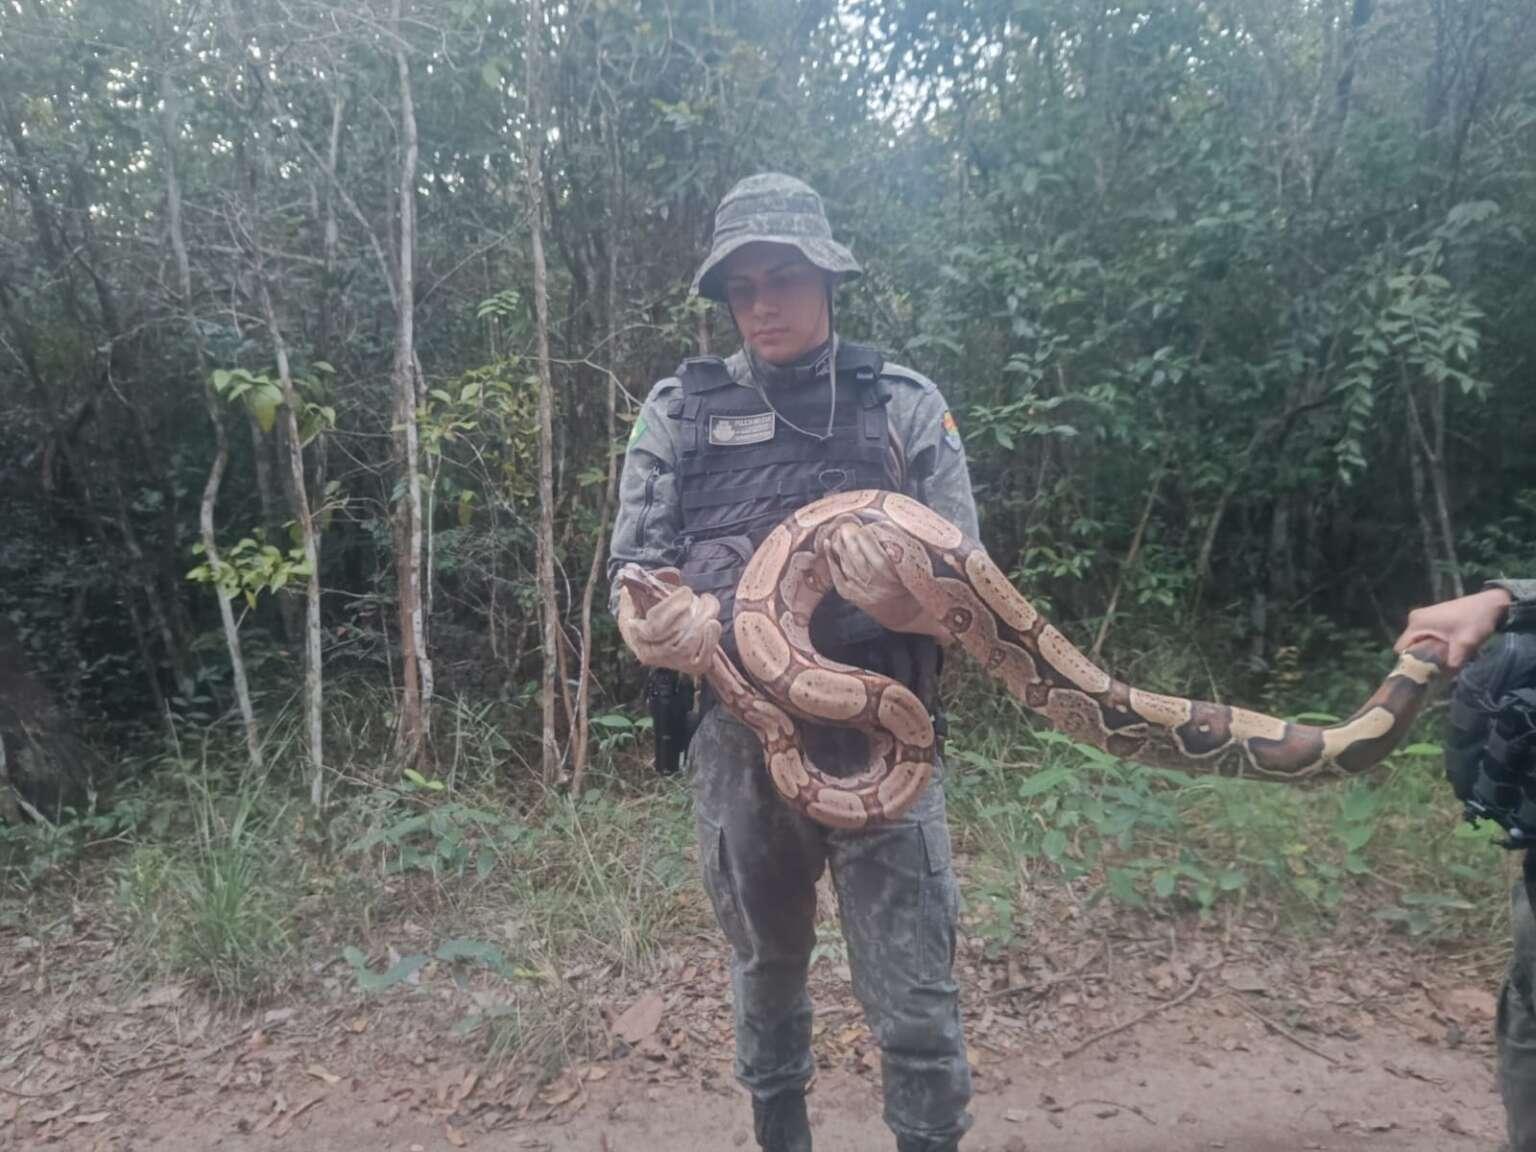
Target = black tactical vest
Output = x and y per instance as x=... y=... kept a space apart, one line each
x=1490 y=750
x=742 y=468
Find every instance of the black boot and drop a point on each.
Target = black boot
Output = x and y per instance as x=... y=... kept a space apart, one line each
x=781 y=1123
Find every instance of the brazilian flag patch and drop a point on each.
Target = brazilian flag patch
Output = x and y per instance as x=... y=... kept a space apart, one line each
x=951 y=430
x=634 y=433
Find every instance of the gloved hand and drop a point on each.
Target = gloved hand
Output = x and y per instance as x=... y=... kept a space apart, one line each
x=681 y=632
x=864 y=576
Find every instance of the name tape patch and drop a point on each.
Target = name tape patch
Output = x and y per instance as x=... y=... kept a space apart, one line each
x=732 y=430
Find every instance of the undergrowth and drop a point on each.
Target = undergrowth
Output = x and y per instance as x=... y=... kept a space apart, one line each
x=475 y=874
x=1034 y=808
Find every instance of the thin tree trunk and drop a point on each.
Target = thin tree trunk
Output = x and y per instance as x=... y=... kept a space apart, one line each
x=313 y=689
x=226 y=609
x=1421 y=506
x=416 y=675
x=580 y=736
x=10 y=811
x=1439 y=485
x=288 y=607
x=1129 y=564
x=140 y=565
x=330 y=234
x=210 y=499
x=1442 y=486
x=550 y=614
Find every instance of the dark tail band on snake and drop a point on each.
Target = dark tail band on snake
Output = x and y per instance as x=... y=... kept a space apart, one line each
x=958 y=583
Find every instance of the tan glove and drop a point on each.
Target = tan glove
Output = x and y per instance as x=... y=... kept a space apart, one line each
x=681 y=632
x=863 y=575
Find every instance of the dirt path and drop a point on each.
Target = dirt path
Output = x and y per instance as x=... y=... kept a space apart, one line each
x=1177 y=1038
x=1172 y=1088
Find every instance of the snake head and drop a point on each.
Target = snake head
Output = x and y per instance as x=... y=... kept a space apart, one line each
x=649 y=586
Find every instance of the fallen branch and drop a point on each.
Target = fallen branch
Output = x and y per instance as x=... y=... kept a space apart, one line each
x=1283 y=1031
x=1111 y=1104
x=1038 y=991
x=1135 y=1020
x=43 y=1095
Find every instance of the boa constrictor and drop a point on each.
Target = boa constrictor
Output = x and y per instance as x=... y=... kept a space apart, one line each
x=955 y=580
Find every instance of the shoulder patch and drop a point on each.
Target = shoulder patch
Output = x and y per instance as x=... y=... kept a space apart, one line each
x=951 y=430
x=908 y=375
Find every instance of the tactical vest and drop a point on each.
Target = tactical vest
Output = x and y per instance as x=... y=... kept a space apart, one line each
x=742 y=467
x=1490 y=750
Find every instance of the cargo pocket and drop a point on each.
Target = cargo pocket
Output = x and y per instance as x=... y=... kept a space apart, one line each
x=714 y=863
x=940 y=906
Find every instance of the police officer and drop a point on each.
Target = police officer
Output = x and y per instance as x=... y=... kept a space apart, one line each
x=720 y=453
x=1463 y=624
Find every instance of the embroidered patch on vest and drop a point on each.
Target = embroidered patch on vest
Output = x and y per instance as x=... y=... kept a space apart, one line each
x=951 y=430
x=733 y=430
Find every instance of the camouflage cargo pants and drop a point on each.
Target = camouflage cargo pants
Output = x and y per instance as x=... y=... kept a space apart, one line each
x=898 y=899
x=1517 y=1029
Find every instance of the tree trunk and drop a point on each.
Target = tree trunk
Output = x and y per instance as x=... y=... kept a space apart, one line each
x=1421 y=505
x=581 y=735
x=1439 y=485
x=416 y=665
x=313 y=690
x=550 y=610
x=1129 y=564
x=210 y=499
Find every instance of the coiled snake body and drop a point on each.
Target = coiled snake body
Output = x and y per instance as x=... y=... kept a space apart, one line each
x=958 y=584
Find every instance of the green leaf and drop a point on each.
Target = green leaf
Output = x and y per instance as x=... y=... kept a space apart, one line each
x=1054 y=845
x=398 y=973
x=264 y=400
x=1164 y=883
x=476 y=950
x=1360 y=804
x=1356 y=836
x=1042 y=782
x=1231 y=880
x=1122 y=887
x=485 y=861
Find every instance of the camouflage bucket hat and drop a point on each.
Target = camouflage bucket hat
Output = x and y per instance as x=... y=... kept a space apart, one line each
x=772 y=208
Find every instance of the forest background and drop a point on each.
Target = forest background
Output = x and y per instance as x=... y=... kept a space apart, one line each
x=322 y=328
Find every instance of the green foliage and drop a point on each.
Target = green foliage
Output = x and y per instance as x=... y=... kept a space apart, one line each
x=1033 y=804
x=1162 y=257
x=442 y=837
x=32 y=853
x=216 y=903
x=263 y=397
x=249 y=568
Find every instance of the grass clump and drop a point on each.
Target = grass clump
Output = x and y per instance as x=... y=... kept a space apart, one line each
x=216 y=903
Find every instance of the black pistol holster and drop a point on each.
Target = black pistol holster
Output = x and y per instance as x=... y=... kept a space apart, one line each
x=669 y=695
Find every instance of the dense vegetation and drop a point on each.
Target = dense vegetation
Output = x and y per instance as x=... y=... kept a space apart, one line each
x=321 y=326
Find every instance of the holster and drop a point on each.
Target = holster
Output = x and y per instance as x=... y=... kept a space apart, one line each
x=669 y=696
